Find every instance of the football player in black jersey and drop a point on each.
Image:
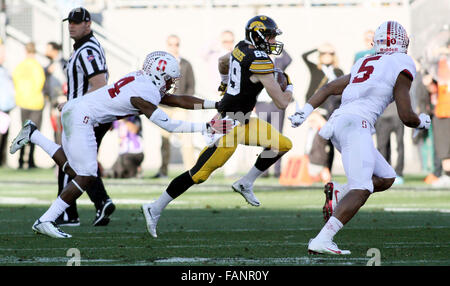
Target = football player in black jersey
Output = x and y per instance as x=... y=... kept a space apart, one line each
x=245 y=72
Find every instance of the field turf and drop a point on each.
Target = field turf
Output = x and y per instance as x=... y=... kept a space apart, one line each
x=212 y=226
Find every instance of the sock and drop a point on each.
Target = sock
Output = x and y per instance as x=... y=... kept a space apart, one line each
x=179 y=185
x=252 y=175
x=330 y=229
x=160 y=204
x=55 y=210
x=267 y=158
x=47 y=145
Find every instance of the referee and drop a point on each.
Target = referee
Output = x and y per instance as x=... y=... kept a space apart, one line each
x=86 y=71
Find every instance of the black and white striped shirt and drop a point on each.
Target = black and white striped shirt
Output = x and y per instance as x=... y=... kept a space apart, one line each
x=87 y=60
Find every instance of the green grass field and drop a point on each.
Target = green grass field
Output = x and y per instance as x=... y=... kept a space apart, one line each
x=211 y=225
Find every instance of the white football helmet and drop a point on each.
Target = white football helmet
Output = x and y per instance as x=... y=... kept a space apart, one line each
x=163 y=69
x=390 y=37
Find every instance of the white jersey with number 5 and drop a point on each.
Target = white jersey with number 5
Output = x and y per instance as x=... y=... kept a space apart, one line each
x=372 y=83
x=111 y=102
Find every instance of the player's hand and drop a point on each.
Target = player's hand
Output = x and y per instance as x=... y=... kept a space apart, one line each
x=222 y=88
x=425 y=121
x=297 y=118
x=219 y=126
x=300 y=115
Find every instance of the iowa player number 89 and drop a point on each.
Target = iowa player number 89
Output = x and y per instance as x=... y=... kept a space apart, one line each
x=234 y=82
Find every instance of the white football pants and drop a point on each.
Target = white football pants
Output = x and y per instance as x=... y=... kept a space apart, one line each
x=78 y=139
x=352 y=137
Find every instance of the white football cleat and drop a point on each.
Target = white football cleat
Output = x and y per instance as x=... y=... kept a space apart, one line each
x=49 y=228
x=23 y=138
x=325 y=247
x=246 y=190
x=334 y=193
x=150 y=218
x=442 y=182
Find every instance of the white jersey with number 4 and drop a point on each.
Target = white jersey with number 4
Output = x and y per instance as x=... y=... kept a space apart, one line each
x=111 y=102
x=372 y=83
x=104 y=105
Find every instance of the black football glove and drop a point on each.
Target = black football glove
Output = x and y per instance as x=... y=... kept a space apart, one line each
x=222 y=88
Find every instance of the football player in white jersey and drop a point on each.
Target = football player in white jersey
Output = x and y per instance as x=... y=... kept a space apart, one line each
x=374 y=82
x=137 y=93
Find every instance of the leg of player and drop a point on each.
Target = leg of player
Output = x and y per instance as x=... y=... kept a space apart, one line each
x=260 y=133
x=382 y=184
x=244 y=186
x=46 y=223
x=360 y=160
x=153 y=211
x=335 y=192
x=353 y=200
x=30 y=133
x=210 y=159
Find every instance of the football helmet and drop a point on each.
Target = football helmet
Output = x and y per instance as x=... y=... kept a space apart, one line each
x=390 y=37
x=163 y=70
x=259 y=30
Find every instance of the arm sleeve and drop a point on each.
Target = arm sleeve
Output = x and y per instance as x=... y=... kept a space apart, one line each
x=161 y=119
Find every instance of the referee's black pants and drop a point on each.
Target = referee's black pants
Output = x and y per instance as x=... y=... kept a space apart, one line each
x=97 y=192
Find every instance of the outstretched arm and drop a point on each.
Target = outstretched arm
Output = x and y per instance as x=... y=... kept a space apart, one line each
x=188 y=102
x=336 y=87
x=161 y=119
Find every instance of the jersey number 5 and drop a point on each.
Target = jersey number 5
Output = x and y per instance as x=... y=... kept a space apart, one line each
x=367 y=70
x=113 y=92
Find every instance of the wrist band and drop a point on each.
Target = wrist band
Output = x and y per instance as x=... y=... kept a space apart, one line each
x=209 y=104
x=224 y=78
x=307 y=109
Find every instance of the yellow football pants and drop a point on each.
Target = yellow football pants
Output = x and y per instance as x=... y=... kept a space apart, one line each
x=256 y=132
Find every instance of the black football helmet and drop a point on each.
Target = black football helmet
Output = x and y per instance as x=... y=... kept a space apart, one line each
x=261 y=28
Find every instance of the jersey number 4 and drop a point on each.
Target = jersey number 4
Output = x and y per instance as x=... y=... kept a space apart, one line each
x=113 y=92
x=365 y=69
